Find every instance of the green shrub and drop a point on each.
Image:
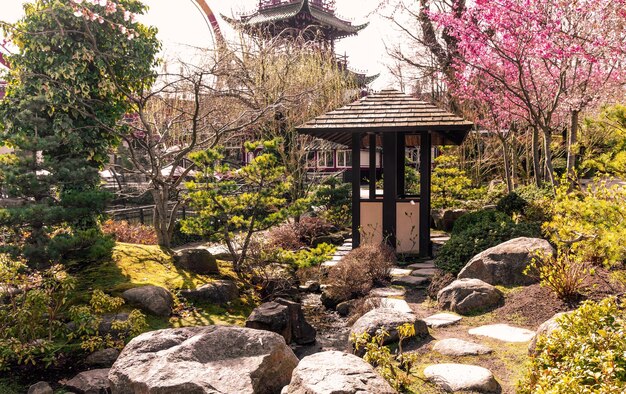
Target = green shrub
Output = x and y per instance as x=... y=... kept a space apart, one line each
x=590 y=223
x=334 y=199
x=586 y=355
x=564 y=274
x=395 y=368
x=511 y=204
x=478 y=218
x=306 y=258
x=33 y=323
x=478 y=232
x=179 y=238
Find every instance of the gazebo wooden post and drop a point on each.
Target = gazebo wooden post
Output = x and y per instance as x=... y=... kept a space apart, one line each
x=401 y=156
x=356 y=190
x=372 y=166
x=424 y=222
x=390 y=189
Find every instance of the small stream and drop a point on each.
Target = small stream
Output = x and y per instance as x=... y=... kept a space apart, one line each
x=332 y=329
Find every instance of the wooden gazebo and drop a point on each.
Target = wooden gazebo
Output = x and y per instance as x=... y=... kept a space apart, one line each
x=394 y=121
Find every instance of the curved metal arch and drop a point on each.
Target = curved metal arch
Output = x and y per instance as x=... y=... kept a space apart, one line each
x=211 y=19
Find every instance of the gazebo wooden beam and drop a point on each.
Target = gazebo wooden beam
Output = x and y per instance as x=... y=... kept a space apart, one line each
x=356 y=190
x=424 y=212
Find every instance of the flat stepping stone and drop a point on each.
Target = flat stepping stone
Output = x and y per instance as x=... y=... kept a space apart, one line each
x=399 y=272
x=459 y=347
x=344 y=248
x=410 y=281
x=330 y=264
x=337 y=258
x=424 y=272
x=503 y=332
x=348 y=240
x=461 y=377
x=387 y=292
x=397 y=304
x=442 y=320
x=341 y=253
x=417 y=266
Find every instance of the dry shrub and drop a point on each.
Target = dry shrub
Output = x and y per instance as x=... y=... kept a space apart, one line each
x=440 y=280
x=270 y=278
x=130 y=233
x=285 y=237
x=310 y=228
x=293 y=236
x=359 y=271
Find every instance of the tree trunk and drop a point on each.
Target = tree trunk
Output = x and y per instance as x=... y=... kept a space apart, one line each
x=161 y=218
x=507 y=164
x=536 y=161
x=547 y=141
x=572 y=138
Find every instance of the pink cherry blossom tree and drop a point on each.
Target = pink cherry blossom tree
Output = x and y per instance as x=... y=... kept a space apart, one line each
x=543 y=61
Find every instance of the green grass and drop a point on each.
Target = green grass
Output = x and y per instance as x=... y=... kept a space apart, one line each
x=138 y=265
x=9 y=386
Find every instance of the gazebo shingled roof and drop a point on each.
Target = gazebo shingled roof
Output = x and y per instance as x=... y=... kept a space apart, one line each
x=387 y=111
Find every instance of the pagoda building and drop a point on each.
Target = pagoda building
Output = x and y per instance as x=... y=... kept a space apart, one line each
x=315 y=20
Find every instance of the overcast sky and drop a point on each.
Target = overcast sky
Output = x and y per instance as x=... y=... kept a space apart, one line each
x=180 y=22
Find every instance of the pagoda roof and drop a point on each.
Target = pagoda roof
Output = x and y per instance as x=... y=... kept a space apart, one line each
x=388 y=111
x=284 y=11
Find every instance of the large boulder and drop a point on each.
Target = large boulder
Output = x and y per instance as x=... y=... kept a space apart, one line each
x=545 y=329
x=152 y=299
x=283 y=317
x=95 y=381
x=465 y=296
x=216 y=292
x=199 y=261
x=336 y=372
x=504 y=264
x=443 y=219
x=211 y=359
x=387 y=319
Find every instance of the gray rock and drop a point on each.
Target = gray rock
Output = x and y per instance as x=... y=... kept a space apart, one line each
x=465 y=296
x=424 y=272
x=387 y=292
x=283 y=317
x=107 y=320
x=343 y=308
x=211 y=359
x=199 y=261
x=459 y=347
x=334 y=372
x=423 y=265
x=410 y=281
x=400 y=271
x=504 y=264
x=152 y=299
x=7 y=292
x=461 y=377
x=40 y=388
x=442 y=320
x=271 y=316
x=95 y=381
x=444 y=218
x=310 y=286
x=389 y=319
x=216 y=292
x=102 y=358
x=503 y=332
x=386 y=302
x=545 y=329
